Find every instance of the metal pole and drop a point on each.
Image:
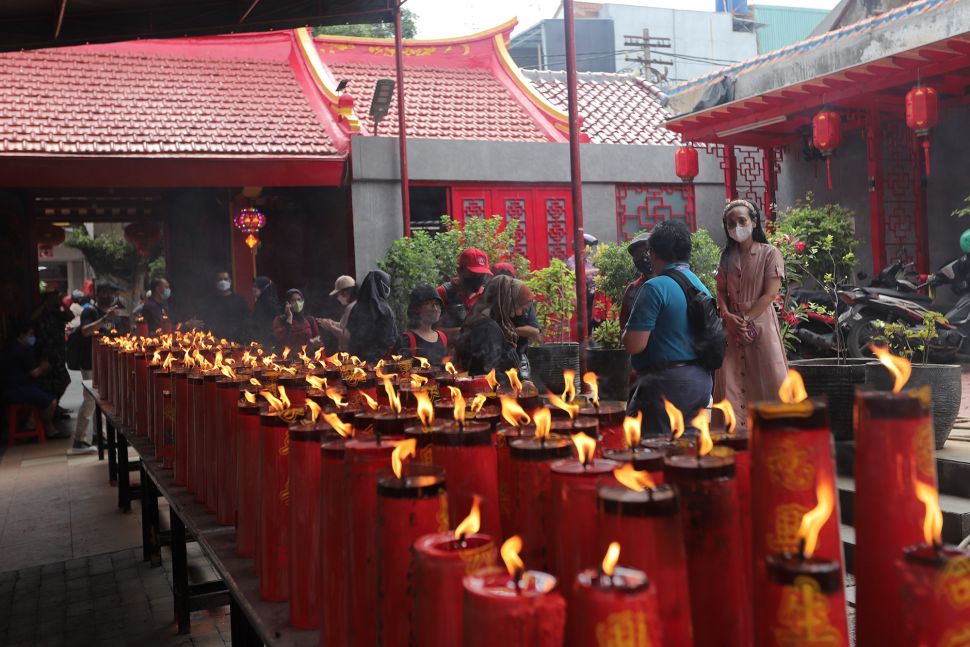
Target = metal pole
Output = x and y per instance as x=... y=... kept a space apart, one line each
x=576 y=178
x=402 y=137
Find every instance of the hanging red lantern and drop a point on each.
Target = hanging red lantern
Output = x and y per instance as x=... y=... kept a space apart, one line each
x=686 y=164
x=827 y=136
x=249 y=221
x=923 y=113
x=143 y=236
x=48 y=237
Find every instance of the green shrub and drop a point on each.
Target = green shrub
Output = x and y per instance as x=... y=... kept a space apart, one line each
x=704 y=258
x=486 y=234
x=828 y=228
x=410 y=262
x=616 y=269
x=554 y=288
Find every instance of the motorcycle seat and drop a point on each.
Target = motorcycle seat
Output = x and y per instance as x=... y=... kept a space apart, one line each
x=911 y=296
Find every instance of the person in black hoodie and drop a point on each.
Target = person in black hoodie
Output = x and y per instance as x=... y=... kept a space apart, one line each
x=373 y=331
x=227 y=313
x=265 y=310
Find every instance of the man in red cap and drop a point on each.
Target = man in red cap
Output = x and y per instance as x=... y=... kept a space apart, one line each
x=462 y=291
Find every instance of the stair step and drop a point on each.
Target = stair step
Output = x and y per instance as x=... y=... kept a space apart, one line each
x=956 y=511
x=952 y=466
x=848 y=546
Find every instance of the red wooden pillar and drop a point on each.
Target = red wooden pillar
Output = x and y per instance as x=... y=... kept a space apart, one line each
x=919 y=205
x=402 y=136
x=768 y=161
x=877 y=221
x=243 y=258
x=730 y=173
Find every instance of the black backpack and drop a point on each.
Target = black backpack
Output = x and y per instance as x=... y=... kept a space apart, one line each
x=704 y=322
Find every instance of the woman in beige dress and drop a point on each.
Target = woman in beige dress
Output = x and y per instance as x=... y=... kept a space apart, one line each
x=748 y=279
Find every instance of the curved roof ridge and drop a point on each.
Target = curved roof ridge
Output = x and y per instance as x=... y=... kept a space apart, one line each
x=592 y=77
x=486 y=34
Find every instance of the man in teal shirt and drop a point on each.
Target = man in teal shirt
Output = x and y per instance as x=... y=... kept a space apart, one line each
x=658 y=339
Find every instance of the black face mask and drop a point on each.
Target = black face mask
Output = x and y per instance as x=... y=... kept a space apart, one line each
x=472 y=283
x=104 y=304
x=643 y=265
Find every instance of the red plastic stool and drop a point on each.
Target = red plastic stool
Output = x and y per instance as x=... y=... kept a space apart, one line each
x=15 y=432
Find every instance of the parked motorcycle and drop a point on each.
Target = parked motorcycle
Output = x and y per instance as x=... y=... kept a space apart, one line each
x=956 y=274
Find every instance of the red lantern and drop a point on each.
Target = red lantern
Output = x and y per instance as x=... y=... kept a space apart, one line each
x=249 y=221
x=48 y=236
x=685 y=162
x=143 y=235
x=923 y=113
x=826 y=137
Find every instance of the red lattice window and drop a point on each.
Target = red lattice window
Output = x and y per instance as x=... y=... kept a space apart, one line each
x=557 y=228
x=516 y=209
x=899 y=199
x=473 y=207
x=641 y=206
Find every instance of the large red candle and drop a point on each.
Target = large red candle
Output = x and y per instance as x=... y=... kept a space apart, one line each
x=805 y=603
x=641 y=459
x=364 y=458
x=334 y=546
x=247 y=481
x=720 y=603
x=180 y=386
x=647 y=524
x=194 y=481
x=498 y=611
x=441 y=562
x=126 y=394
x=469 y=459
x=153 y=370
x=166 y=439
x=935 y=584
x=503 y=436
x=609 y=417
x=573 y=512
x=141 y=394
x=408 y=507
x=304 y=522
x=620 y=608
x=163 y=384
x=228 y=390
x=739 y=444
x=211 y=439
x=273 y=542
x=894 y=450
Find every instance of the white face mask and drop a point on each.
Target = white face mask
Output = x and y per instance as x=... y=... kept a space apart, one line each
x=222 y=286
x=740 y=234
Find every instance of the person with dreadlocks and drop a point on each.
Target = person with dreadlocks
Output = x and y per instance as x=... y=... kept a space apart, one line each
x=749 y=276
x=488 y=336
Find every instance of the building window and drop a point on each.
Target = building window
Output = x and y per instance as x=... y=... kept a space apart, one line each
x=428 y=204
x=641 y=206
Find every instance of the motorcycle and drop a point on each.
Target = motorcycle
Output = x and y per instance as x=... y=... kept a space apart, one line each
x=956 y=274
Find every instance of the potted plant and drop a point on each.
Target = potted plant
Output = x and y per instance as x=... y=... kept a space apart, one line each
x=943 y=379
x=605 y=355
x=554 y=289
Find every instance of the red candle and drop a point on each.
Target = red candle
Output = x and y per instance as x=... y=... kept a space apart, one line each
x=805 y=602
x=517 y=425
x=646 y=522
x=180 y=382
x=334 y=546
x=467 y=454
x=295 y=388
x=609 y=418
x=408 y=506
x=441 y=562
x=720 y=603
x=247 y=467
x=153 y=395
x=141 y=394
x=272 y=530
x=364 y=458
x=125 y=399
x=935 y=580
x=392 y=424
x=613 y=605
x=738 y=443
x=211 y=438
x=892 y=429
x=162 y=384
x=573 y=510
x=304 y=509
x=194 y=479
x=519 y=610
x=228 y=389
x=166 y=439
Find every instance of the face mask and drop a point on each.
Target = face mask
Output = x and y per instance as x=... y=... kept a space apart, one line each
x=256 y=293
x=298 y=306
x=31 y=340
x=167 y=293
x=223 y=286
x=643 y=265
x=740 y=234
x=472 y=283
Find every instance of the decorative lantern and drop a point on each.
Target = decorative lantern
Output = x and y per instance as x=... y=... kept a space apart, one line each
x=826 y=137
x=249 y=221
x=143 y=235
x=48 y=237
x=923 y=113
x=685 y=162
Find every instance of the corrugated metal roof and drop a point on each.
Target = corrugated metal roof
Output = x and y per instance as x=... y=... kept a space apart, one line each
x=784 y=26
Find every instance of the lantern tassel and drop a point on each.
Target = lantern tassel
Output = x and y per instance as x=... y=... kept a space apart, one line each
x=926 y=155
x=828 y=170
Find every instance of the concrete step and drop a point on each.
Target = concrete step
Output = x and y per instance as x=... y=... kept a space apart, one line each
x=956 y=511
x=952 y=465
x=847 y=533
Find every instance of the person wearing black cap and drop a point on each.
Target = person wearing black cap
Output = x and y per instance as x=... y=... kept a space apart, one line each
x=639 y=249
x=421 y=339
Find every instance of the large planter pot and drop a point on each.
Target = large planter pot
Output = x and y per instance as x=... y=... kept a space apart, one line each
x=612 y=368
x=548 y=361
x=943 y=380
x=837 y=381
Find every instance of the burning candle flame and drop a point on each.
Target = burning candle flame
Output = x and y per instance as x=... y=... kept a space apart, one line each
x=218 y=360
x=318 y=356
x=396 y=358
x=512 y=413
x=450 y=368
x=543 y=419
x=314 y=410
x=611 y=558
x=422 y=362
x=167 y=364
x=255 y=382
x=286 y=353
x=250 y=397
x=392 y=397
x=933 y=520
x=157 y=357
x=510 y=555
x=585 y=446
x=371 y=402
x=632 y=429
x=900 y=367
x=730 y=420
x=334 y=360
x=344 y=429
x=814 y=519
x=425 y=408
x=459 y=408
x=514 y=381
x=571 y=409
x=569 y=379
x=283 y=397
x=491 y=380
x=477 y=403
x=418 y=381
x=404 y=449
x=473 y=522
x=704 y=441
x=228 y=372
x=338 y=400
x=633 y=479
x=274 y=403
x=676 y=418
x=318 y=383
x=589 y=379
x=792 y=390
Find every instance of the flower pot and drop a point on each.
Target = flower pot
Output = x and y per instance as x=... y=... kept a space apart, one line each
x=836 y=380
x=943 y=379
x=549 y=361
x=612 y=368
